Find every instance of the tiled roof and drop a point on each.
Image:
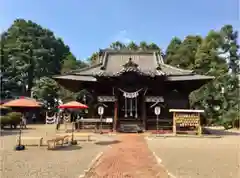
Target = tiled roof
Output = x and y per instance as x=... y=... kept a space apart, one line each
x=116 y=62
x=149 y=63
x=170 y=70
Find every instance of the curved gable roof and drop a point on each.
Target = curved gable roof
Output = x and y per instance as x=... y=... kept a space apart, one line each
x=149 y=63
x=112 y=61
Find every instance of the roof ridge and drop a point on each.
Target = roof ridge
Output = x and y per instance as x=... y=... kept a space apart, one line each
x=156 y=59
x=160 y=58
x=83 y=69
x=104 y=61
x=107 y=50
x=176 y=68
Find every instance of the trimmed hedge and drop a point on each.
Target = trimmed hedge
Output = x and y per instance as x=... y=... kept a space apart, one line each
x=15 y=117
x=4 y=120
x=12 y=119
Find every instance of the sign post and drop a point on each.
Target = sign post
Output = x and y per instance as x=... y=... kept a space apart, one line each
x=100 y=112
x=157 y=111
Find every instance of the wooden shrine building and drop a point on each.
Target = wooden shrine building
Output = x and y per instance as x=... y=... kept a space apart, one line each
x=130 y=83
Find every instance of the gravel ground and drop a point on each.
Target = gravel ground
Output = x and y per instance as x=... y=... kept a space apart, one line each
x=38 y=162
x=199 y=157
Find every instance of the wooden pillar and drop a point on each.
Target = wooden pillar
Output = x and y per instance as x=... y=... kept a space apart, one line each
x=199 y=125
x=144 y=113
x=115 y=115
x=174 y=124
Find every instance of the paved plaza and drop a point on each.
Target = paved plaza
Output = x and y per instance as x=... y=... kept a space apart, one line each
x=199 y=157
x=38 y=162
x=122 y=156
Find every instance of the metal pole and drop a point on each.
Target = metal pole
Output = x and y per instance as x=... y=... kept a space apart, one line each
x=157 y=126
x=20 y=135
x=20 y=147
x=72 y=130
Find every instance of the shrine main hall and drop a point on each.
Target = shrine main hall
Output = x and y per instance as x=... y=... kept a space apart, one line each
x=130 y=83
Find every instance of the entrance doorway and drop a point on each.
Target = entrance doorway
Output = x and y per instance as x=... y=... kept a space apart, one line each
x=130 y=107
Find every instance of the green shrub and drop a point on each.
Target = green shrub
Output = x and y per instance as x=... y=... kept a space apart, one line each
x=4 y=120
x=14 y=117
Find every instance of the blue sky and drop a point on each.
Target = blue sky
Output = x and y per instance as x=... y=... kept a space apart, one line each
x=87 y=25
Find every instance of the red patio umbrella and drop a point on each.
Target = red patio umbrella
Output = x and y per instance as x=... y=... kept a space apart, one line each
x=23 y=102
x=73 y=105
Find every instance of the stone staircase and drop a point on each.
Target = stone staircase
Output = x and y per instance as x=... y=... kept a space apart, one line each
x=130 y=127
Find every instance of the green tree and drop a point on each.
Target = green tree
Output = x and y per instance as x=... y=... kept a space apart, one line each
x=143 y=45
x=84 y=96
x=31 y=52
x=172 y=51
x=208 y=59
x=209 y=56
x=230 y=47
x=93 y=59
x=70 y=63
x=47 y=90
x=132 y=46
x=217 y=103
x=153 y=46
x=182 y=54
x=118 y=45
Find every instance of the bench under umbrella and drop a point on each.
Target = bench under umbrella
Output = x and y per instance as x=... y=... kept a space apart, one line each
x=73 y=105
x=22 y=103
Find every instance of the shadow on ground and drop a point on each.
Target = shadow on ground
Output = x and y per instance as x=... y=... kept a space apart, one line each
x=107 y=142
x=9 y=132
x=12 y=129
x=67 y=148
x=220 y=132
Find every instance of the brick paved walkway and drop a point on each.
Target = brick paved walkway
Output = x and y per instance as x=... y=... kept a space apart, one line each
x=130 y=158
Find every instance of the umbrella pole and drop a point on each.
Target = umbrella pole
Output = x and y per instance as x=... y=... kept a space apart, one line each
x=73 y=142
x=72 y=131
x=20 y=147
x=20 y=135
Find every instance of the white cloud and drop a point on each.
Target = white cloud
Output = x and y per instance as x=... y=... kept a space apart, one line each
x=122 y=36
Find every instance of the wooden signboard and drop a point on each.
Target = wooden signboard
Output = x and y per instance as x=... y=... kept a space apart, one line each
x=186 y=118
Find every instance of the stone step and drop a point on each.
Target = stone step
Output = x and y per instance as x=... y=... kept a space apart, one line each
x=135 y=128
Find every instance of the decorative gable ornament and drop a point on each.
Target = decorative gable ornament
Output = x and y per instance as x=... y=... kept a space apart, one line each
x=130 y=64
